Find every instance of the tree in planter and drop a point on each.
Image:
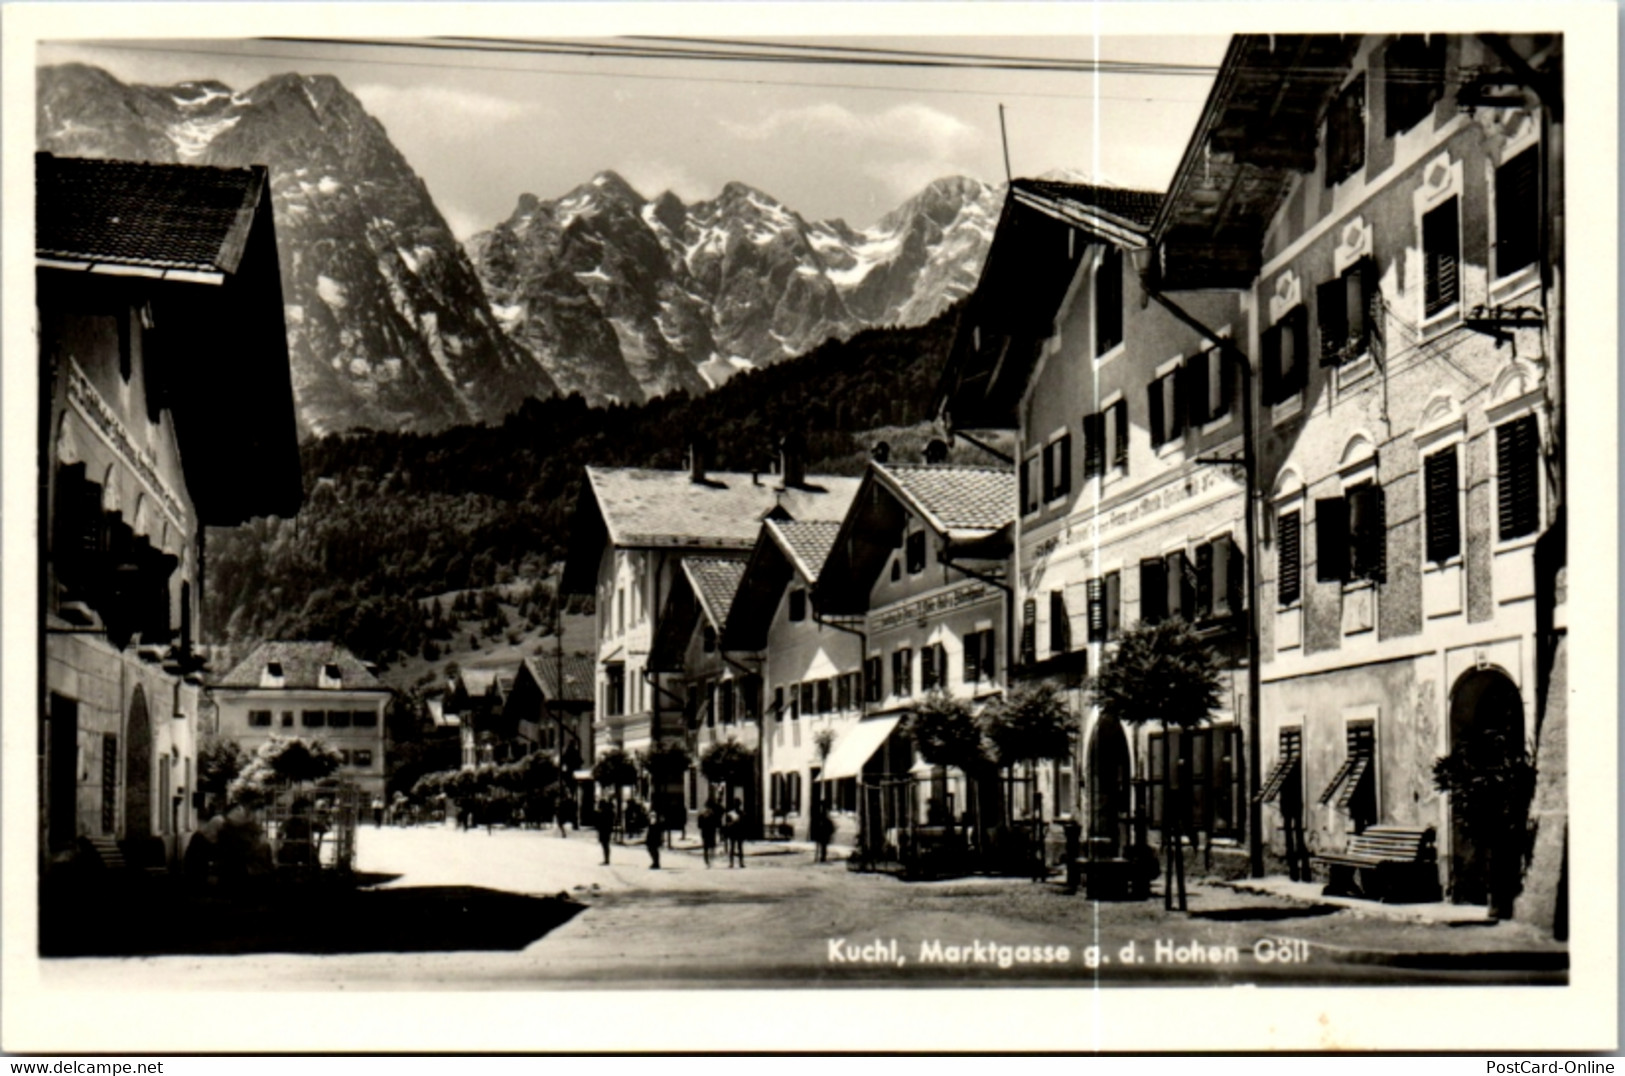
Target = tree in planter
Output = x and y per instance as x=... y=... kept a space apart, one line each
x=615 y=769
x=282 y=762
x=1163 y=672
x=1028 y=724
x=730 y=764
x=665 y=762
x=946 y=733
x=1490 y=781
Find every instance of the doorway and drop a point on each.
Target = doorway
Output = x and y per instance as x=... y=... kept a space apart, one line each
x=1486 y=708
x=1110 y=785
x=138 y=769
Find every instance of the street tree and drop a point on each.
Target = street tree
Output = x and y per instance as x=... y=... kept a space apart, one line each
x=946 y=733
x=730 y=764
x=1029 y=724
x=1163 y=673
x=615 y=769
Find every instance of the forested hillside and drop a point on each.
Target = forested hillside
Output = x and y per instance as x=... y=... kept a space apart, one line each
x=391 y=519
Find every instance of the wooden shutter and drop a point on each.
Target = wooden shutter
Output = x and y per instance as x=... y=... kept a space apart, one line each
x=1120 y=433
x=1049 y=472
x=1094 y=444
x=1288 y=558
x=1153 y=399
x=1443 y=506
x=1331 y=539
x=1029 y=631
x=1517 y=212
x=1368 y=532
x=1204 y=580
x=1096 y=597
x=1114 y=604
x=1060 y=623
x=1027 y=502
x=972 y=657
x=1175 y=409
x=1441 y=248
x=1063 y=465
x=1196 y=389
x=1181 y=579
x=1223 y=376
x=1294 y=345
x=1517 y=453
x=1270 y=364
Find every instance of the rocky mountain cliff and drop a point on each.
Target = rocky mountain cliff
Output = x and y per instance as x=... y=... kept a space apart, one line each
x=388 y=325
x=393 y=324
x=625 y=298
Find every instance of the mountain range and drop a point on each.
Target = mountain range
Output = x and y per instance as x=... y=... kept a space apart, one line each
x=394 y=324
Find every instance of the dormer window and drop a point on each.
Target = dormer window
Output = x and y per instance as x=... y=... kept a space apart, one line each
x=272 y=674
x=330 y=677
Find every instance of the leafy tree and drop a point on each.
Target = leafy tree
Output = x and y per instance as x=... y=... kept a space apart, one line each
x=283 y=762
x=1163 y=673
x=730 y=764
x=1028 y=724
x=947 y=733
x=1490 y=781
x=615 y=769
x=218 y=764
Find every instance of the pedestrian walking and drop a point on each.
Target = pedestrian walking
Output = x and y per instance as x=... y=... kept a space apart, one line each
x=822 y=830
x=708 y=829
x=563 y=808
x=652 y=837
x=733 y=832
x=606 y=825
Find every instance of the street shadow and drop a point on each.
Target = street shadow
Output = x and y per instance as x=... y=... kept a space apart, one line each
x=1264 y=914
x=308 y=917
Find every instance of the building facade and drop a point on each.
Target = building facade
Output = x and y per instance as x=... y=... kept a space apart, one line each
x=1394 y=236
x=313 y=690
x=167 y=407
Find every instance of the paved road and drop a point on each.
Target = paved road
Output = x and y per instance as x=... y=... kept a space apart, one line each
x=786 y=921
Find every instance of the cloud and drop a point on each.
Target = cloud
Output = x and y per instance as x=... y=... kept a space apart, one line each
x=462 y=221
x=904 y=146
x=445 y=103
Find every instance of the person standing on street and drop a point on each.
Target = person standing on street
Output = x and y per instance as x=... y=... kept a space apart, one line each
x=708 y=829
x=606 y=825
x=822 y=829
x=733 y=832
x=652 y=838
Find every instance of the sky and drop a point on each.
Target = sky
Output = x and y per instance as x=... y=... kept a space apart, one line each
x=482 y=128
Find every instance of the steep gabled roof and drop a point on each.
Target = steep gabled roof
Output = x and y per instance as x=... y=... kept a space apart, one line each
x=302 y=663
x=1117 y=214
x=579 y=676
x=806 y=542
x=958 y=501
x=715 y=581
x=155 y=217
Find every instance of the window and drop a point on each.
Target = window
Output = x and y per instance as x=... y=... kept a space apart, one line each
x=287 y=719
x=1119 y=413
x=1094 y=444
x=808 y=699
x=313 y=719
x=273 y=669
x=826 y=696
x=1288 y=558
x=259 y=719
x=1167 y=407
x=1345 y=133
x=1029 y=491
x=873 y=688
x=916 y=553
x=1060 y=623
x=1206 y=766
x=1441 y=259
x=1353 y=788
x=778 y=703
x=929 y=672
x=338 y=719
x=1442 y=509
x=1413 y=80
x=1517 y=212
x=361 y=758
x=793 y=787
x=1105 y=612
x=1029 y=631
x=1209 y=386
x=614 y=690
x=1285 y=780
x=365 y=719
x=896 y=569
x=902 y=671
x=1153 y=591
x=1221 y=579
x=1351 y=535
x=708 y=638
x=1109 y=300
x=1283 y=364
x=979 y=658
x=1347 y=308
x=1181 y=576
x=843 y=692
x=620 y=612
x=1058 y=467
x=750 y=698
x=798 y=603
x=344 y=756
x=1517 y=471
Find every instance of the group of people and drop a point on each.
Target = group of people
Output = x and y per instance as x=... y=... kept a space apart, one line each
x=713 y=820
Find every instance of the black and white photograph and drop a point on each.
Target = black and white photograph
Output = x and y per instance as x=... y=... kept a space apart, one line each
x=553 y=527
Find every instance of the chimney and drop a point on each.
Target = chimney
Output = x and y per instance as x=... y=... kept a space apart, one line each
x=793 y=461
x=881 y=452
x=696 y=463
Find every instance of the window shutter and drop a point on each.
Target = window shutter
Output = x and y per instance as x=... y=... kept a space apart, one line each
x=1049 y=472
x=1063 y=465
x=1176 y=402
x=1223 y=373
x=1368 y=532
x=1181 y=578
x=1094 y=444
x=1270 y=364
x=928 y=668
x=1060 y=623
x=1517 y=212
x=1294 y=348
x=1120 y=433
x=1331 y=539
x=1443 y=507
x=1441 y=246
x=1331 y=311
x=1029 y=631
x=1096 y=591
x=1517 y=451
x=1026 y=486
x=1153 y=398
x=1153 y=591
x=1204 y=581
x=1196 y=389
x=1114 y=605
x=1234 y=577
x=973 y=657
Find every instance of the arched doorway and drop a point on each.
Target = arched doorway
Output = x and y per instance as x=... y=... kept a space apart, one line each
x=1110 y=784
x=1486 y=708
x=138 y=769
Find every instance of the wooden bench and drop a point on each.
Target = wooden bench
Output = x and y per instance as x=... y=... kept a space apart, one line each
x=1393 y=864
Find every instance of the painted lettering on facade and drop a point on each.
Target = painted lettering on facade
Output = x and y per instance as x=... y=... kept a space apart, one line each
x=945 y=602
x=84 y=398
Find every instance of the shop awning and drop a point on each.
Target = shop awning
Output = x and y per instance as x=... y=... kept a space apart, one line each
x=855 y=747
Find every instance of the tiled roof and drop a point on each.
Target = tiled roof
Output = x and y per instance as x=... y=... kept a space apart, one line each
x=648 y=508
x=955 y=497
x=807 y=542
x=302 y=663
x=579 y=676
x=715 y=580
x=1138 y=207
x=477 y=681
x=159 y=216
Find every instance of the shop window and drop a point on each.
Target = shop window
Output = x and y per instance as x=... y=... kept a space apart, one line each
x=1345 y=133
x=1347 y=308
x=1284 y=369
x=1443 y=506
x=1518 y=211
x=1109 y=300
x=1353 y=788
x=1517 y=472
x=1441 y=259
x=1413 y=80
x=1288 y=558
